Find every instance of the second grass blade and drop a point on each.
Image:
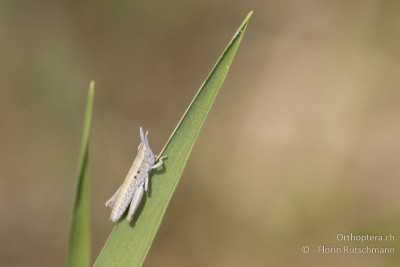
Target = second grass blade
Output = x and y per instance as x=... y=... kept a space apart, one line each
x=129 y=244
x=79 y=248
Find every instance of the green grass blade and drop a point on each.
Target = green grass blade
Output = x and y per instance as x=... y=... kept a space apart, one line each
x=79 y=248
x=129 y=243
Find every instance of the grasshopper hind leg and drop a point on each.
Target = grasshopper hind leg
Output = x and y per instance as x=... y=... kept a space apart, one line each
x=137 y=197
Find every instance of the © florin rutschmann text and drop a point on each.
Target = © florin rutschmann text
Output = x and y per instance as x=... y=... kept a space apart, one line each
x=355 y=244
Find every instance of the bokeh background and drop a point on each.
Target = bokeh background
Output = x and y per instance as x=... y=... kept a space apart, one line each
x=302 y=142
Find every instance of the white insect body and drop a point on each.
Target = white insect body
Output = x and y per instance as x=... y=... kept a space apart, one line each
x=136 y=181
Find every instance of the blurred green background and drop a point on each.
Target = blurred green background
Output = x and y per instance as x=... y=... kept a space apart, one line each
x=301 y=144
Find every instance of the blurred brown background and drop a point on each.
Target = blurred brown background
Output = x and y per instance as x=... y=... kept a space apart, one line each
x=301 y=144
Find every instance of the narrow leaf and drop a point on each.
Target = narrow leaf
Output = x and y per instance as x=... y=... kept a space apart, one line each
x=129 y=243
x=79 y=248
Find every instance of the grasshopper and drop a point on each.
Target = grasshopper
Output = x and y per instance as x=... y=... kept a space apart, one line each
x=136 y=181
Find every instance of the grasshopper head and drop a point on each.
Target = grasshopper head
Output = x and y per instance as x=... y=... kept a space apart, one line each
x=148 y=153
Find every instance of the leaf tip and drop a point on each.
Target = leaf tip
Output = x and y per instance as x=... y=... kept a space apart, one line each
x=243 y=26
x=91 y=87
